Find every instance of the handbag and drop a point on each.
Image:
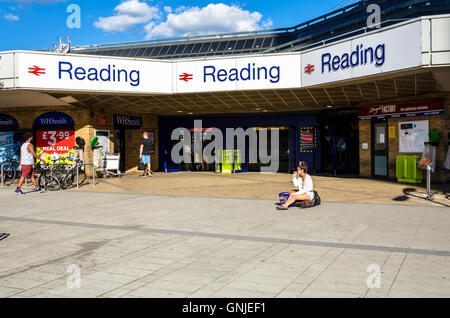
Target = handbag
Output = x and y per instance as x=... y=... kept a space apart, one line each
x=141 y=166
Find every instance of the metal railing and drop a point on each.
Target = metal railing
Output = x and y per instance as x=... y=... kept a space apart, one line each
x=333 y=15
x=363 y=30
x=275 y=31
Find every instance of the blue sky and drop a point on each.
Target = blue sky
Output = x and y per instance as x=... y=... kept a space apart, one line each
x=37 y=24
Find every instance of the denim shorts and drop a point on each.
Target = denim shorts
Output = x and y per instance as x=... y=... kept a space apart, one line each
x=146 y=159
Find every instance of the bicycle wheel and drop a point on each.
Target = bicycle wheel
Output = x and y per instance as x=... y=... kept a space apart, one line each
x=41 y=180
x=65 y=179
x=81 y=177
x=51 y=183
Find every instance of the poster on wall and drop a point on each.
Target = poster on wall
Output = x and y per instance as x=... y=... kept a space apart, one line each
x=56 y=145
x=307 y=139
x=412 y=136
x=6 y=146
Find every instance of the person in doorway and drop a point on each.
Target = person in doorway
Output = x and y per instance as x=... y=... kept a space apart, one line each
x=187 y=157
x=144 y=154
x=205 y=164
x=303 y=181
x=27 y=155
x=197 y=156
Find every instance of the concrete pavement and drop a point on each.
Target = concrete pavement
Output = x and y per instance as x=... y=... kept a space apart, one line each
x=267 y=186
x=150 y=245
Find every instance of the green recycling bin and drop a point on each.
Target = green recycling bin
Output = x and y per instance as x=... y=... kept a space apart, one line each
x=407 y=170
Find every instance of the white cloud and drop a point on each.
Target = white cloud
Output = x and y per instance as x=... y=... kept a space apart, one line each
x=10 y=17
x=127 y=15
x=212 y=19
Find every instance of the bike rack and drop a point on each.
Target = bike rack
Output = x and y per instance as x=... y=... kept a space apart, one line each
x=1 y=169
x=93 y=173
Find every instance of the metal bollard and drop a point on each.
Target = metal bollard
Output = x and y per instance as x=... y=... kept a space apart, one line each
x=430 y=196
x=1 y=168
x=78 y=179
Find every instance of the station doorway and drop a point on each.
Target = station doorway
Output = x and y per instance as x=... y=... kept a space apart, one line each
x=285 y=150
x=339 y=135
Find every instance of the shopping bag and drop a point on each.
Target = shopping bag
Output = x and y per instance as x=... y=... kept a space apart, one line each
x=141 y=166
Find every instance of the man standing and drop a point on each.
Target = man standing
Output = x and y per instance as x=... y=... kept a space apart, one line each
x=27 y=156
x=144 y=154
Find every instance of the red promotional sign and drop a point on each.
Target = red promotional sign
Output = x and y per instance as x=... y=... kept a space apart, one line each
x=102 y=121
x=55 y=141
x=422 y=108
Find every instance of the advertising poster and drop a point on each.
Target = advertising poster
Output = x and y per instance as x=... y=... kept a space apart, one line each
x=307 y=139
x=56 y=145
x=412 y=136
x=6 y=146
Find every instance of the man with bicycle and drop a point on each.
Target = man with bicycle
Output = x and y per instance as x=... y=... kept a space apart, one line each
x=27 y=155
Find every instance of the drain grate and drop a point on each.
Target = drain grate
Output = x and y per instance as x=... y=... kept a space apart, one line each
x=3 y=236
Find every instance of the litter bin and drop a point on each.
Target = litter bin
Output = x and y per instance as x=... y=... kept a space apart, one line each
x=407 y=170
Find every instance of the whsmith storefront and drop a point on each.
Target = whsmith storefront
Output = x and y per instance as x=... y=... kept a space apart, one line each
x=345 y=107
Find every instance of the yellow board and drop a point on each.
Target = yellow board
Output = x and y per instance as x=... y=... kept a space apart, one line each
x=227 y=164
x=392 y=132
x=66 y=158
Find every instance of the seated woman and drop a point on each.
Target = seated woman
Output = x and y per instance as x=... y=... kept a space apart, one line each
x=303 y=181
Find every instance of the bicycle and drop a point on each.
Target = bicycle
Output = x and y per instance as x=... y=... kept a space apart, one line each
x=10 y=171
x=69 y=174
x=49 y=178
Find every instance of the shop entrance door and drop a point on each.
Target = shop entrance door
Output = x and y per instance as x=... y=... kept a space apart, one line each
x=119 y=147
x=379 y=149
x=286 y=150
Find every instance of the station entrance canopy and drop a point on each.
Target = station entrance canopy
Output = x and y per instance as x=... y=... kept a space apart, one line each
x=364 y=68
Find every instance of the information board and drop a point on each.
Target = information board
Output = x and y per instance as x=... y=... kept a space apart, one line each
x=412 y=136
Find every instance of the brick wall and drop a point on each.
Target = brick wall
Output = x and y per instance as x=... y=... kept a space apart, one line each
x=440 y=123
x=133 y=137
x=365 y=155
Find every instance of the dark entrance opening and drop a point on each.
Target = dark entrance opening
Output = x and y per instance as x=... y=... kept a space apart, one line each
x=339 y=135
x=119 y=146
x=285 y=149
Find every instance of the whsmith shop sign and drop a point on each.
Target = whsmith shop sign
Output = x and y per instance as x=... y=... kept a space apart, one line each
x=422 y=108
x=129 y=122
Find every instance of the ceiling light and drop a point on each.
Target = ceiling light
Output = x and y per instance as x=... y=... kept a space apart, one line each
x=329 y=106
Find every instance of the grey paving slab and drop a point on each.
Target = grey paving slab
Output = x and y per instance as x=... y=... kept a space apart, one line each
x=157 y=246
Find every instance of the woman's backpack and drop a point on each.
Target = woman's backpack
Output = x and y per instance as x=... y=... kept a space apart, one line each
x=309 y=204
x=317 y=199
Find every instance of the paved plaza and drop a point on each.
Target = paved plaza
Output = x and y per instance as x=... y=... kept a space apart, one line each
x=142 y=237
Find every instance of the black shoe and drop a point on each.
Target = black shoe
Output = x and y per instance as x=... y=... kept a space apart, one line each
x=282 y=207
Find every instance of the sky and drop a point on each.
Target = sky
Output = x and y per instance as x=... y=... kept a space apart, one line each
x=38 y=24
